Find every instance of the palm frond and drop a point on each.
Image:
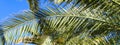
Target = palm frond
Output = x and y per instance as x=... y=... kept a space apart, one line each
x=84 y=22
x=20 y=25
x=2 y=40
x=33 y=4
x=117 y=1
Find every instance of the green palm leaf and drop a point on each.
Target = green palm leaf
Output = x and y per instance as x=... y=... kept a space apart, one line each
x=19 y=26
x=2 y=40
x=33 y=5
x=81 y=22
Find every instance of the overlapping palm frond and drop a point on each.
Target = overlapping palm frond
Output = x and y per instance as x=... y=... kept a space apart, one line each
x=67 y=22
x=19 y=26
x=83 y=25
x=87 y=17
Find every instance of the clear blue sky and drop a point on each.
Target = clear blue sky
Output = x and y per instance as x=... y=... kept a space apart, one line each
x=7 y=7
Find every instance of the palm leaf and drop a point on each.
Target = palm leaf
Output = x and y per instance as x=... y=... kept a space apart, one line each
x=34 y=5
x=2 y=40
x=70 y=25
x=58 y=21
x=19 y=26
x=77 y=22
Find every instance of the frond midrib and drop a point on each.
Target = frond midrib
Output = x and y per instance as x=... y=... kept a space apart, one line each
x=88 y=17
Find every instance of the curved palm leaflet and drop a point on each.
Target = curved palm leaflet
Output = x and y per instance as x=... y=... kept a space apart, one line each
x=65 y=22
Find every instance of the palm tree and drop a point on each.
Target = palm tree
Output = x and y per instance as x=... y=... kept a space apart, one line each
x=65 y=22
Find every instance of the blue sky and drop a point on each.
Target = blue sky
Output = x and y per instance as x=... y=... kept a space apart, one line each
x=8 y=7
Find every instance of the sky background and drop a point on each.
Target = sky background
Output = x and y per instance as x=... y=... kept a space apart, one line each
x=9 y=7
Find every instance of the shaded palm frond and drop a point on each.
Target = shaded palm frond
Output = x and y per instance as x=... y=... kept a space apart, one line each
x=117 y=1
x=33 y=4
x=2 y=40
